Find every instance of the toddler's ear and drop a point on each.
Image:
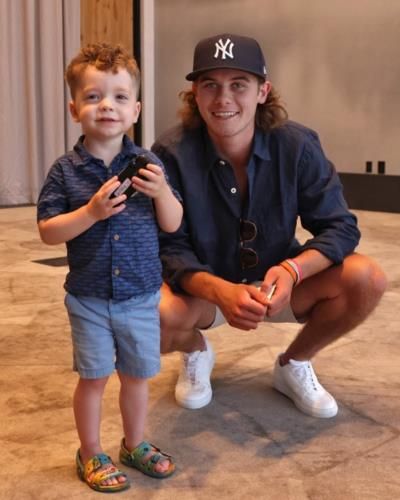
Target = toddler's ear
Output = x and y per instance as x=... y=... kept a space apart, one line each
x=73 y=111
x=138 y=107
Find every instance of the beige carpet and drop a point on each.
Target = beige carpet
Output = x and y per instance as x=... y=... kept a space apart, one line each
x=250 y=442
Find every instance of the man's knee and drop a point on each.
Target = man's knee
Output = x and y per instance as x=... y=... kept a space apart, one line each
x=176 y=318
x=365 y=280
x=168 y=325
x=180 y=317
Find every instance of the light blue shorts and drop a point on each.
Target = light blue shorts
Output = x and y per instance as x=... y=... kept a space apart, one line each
x=109 y=335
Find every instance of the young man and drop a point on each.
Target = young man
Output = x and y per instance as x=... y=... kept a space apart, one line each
x=246 y=174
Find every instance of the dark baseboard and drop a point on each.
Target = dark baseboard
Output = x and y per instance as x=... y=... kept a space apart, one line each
x=379 y=193
x=18 y=205
x=376 y=192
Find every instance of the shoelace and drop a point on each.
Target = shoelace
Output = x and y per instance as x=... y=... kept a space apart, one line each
x=190 y=362
x=306 y=376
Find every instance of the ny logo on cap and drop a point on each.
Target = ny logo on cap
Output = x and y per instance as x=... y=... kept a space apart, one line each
x=224 y=49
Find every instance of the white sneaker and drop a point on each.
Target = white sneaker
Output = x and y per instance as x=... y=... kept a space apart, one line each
x=297 y=380
x=193 y=389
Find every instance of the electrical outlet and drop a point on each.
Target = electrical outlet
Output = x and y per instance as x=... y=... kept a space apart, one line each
x=381 y=167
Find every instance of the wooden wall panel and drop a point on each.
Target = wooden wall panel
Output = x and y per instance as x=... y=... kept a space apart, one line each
x=107 y=21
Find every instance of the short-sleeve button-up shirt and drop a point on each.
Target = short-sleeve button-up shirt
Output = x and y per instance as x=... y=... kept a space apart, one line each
x=118 y=257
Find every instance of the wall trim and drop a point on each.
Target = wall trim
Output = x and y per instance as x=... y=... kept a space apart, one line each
x=148 y=74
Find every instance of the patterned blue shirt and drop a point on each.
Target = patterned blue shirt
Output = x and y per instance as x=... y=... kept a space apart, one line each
x=116 y=258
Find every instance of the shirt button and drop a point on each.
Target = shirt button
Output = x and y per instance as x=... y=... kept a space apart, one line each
x=116 y=271
x=116 y=237
x=222 y=163
x=244 y=280
x=233 y=190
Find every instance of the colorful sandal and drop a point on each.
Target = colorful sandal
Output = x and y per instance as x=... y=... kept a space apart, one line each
x=102 y=468
x=137 y=459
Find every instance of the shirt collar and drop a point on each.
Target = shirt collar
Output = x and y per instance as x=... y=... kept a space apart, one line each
x=261 y=144
x=260 y=147
x=210 y=152
x=81 y=155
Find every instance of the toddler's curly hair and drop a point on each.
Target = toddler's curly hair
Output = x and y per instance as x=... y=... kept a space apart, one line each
x=104 y=57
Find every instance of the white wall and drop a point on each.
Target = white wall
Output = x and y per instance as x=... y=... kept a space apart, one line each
x=336 y=65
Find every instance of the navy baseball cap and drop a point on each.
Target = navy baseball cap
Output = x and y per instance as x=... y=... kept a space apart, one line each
x=228 y=51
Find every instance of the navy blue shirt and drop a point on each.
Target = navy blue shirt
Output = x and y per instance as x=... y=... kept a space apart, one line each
x=116 y=258
x=288 y=177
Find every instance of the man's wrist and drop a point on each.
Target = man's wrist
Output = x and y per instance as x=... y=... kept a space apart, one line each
x=201 y=284
x=294 y=269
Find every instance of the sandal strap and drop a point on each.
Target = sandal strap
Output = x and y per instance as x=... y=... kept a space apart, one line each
x=145 y=448
x=102 y=468
x=104 y=474
x=97 y=462
x=136 y=458
x=99 y=468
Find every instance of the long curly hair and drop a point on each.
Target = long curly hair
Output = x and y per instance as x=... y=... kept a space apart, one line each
x=270 y=114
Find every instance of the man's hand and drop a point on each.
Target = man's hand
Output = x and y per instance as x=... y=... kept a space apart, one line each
x=243 y=306
x=283 y=282
x=100 y=206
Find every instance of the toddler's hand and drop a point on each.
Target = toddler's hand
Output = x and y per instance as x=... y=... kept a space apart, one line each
x=100 y=206
x=154 y=185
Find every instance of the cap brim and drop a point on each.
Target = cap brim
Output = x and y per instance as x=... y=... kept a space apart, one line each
x=195 y=74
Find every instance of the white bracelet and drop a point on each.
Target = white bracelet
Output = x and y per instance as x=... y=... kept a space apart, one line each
x=296 y=268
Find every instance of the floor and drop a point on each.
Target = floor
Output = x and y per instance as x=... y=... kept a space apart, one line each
x=250 y=442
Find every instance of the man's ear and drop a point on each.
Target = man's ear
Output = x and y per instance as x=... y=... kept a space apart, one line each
x=73 y=111
x=263 y=92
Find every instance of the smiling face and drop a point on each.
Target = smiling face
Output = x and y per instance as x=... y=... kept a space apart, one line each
x=105 y=104
x=227 y=100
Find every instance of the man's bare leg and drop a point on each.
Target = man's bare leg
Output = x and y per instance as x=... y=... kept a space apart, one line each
x=181 y=318
x=334 y=302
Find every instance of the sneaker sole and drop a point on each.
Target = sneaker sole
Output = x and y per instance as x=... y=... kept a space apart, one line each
x=313 y=412
x=195 y=405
